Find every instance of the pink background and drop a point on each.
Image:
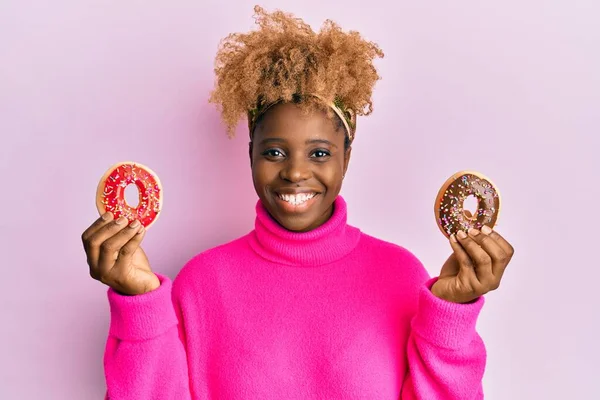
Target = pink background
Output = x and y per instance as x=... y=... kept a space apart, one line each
x=510 y=89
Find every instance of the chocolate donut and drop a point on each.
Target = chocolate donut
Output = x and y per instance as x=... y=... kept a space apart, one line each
x=450 y=214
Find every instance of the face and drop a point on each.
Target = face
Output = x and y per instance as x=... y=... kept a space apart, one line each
x=298 y=163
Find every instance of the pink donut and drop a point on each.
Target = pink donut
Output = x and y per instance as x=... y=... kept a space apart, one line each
x=110 y=195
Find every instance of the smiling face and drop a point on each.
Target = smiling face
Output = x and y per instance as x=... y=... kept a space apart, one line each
x=298 y=163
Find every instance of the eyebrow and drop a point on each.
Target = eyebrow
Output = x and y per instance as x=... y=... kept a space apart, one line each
x=310 y=141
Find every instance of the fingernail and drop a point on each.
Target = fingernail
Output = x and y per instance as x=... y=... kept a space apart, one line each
x=473 y=232
x=461 y=235
x=121 y=221
x=142 y=229
x=486 y=229
x=453 y=238
x=106 y=216
x=134 y=224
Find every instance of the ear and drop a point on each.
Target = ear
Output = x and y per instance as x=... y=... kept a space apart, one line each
x=347 y=155
x=250 y=147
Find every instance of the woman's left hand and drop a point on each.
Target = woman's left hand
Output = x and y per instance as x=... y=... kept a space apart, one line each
x=476 y=266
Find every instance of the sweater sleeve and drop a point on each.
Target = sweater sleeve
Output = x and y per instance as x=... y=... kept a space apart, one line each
x=145 y=356
x=446 y=356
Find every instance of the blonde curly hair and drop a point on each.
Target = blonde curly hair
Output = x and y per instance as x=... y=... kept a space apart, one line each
x=285 y=60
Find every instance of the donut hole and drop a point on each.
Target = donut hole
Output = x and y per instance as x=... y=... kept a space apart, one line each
x=470 y=207
x=132 y=195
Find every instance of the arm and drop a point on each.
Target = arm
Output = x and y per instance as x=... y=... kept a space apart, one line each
x=446 y=356
x=145 y=357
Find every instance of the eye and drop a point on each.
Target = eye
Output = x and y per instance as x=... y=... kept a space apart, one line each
x=320 y=153
x=273 y=153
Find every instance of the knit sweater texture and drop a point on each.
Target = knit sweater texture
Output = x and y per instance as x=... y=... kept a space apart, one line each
x=332 y=313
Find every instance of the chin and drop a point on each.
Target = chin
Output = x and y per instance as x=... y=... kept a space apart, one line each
x=296 y=224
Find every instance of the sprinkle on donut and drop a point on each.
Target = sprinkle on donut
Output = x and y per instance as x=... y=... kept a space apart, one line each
x=449 y=208
x=110 y=196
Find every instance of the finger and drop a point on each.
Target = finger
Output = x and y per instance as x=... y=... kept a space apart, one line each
x=121 y=267
x=481 y=260
x=503 y=243
x=111 y=238
x=129 y=248
x=96 y=225
x=507 y=249
x=99 y=236
x=467 y=273
x=493 y=249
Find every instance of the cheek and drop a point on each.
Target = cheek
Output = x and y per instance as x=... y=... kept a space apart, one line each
x=331 y=175
x=263 y=172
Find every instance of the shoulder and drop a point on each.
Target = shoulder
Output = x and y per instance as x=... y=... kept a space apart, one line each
x=395 y=256
x=204 y=265
x=387 y=249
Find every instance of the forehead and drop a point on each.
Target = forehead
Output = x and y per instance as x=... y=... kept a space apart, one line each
x=287 y=121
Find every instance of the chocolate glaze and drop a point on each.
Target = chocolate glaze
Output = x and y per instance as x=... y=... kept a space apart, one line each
x=450 y=213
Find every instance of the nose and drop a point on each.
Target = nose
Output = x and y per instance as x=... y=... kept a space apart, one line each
x=296 y=169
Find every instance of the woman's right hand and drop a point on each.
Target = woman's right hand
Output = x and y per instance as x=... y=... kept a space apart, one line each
x=115 y=256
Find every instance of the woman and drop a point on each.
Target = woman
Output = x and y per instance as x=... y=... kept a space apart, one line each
x=305 y=306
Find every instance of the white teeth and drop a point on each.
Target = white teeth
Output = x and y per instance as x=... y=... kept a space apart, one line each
x=298 y=198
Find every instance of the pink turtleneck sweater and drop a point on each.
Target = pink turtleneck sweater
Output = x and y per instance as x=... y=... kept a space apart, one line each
x=328 y=314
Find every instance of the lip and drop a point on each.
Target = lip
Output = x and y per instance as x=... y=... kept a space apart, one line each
x=296 y=191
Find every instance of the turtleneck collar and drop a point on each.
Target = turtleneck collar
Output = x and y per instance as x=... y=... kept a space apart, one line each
x=325 y=244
